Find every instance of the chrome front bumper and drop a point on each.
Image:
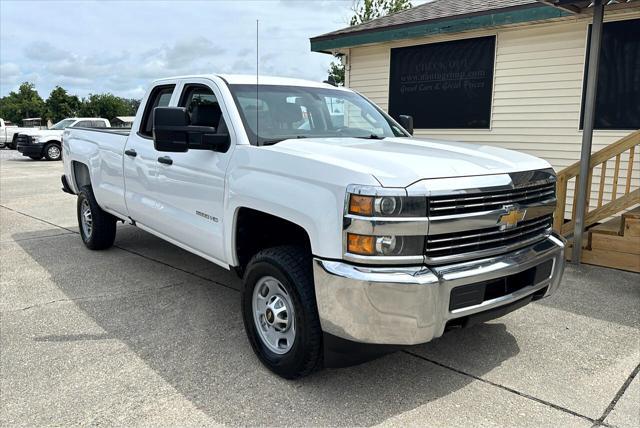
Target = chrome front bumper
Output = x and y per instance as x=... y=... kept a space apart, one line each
x=410 y=305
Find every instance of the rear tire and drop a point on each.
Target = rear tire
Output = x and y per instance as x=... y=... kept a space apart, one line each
x=97 y=227
x=287 y=340
x=53 y=152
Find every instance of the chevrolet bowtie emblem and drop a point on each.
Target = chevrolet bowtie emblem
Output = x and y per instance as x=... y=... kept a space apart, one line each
x=512 y=217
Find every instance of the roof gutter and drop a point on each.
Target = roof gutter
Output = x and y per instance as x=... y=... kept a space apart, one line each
x=533 y=12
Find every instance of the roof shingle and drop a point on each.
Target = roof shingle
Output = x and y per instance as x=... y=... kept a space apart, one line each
x=436 y=10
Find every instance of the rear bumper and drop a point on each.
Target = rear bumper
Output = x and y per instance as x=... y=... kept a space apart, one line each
x=34 y=149
x=412 y=305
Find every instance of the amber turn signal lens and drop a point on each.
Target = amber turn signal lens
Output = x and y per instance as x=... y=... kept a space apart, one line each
x=361 y=205
x=360 y=244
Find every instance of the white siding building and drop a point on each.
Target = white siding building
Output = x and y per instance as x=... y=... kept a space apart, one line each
x=536 y=81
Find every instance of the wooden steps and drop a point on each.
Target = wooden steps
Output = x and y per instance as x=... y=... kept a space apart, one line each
x=611 y=227
x=615 y=243
x=631 y=226
x=612 y=243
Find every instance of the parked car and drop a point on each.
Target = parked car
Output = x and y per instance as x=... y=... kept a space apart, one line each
x=47 y=143
x=7 y=132
x=351 y=240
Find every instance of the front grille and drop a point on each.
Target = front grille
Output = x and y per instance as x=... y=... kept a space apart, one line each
x=23 y=139
x=493 y=238
x=490 y=200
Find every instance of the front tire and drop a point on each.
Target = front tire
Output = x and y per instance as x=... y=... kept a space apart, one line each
x=280 y=312
x=97 y=227
x=36 y=157
x=52 y=152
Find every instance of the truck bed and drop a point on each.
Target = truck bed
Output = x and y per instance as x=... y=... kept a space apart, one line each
x=101 y=138
x=104 y=147
x=118 y=131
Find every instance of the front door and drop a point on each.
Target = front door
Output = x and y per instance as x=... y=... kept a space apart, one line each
x=190 y=187
x=140 y=163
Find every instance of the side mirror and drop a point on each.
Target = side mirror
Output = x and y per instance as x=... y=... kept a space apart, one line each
x=331 y=80
x=173 y=132
x=406 y=122
x=170 y=126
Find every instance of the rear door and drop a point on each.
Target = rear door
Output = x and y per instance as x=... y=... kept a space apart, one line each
x=141 y=161
x=191 y=189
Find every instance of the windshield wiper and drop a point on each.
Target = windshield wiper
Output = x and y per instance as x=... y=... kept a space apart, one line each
x=272 y=142
x=372 y=137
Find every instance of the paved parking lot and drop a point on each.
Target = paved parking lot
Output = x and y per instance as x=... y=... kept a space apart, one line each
x=146 y=333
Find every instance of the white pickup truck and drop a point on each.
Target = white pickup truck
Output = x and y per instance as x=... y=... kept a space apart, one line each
x=7 y=131
x=352 y=237
x=47 y=143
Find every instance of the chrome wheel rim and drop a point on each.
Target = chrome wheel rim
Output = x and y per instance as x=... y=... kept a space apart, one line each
x=86 y=219
x=273 y=315
x=53 y=152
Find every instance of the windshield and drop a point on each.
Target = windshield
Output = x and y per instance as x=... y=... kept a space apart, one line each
x=282 y=112
x=63 y=124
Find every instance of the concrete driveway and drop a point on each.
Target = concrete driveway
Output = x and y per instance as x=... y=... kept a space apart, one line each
x=148 y=334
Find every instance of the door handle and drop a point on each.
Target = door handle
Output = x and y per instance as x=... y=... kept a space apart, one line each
x=131 y=152
x=165 y=160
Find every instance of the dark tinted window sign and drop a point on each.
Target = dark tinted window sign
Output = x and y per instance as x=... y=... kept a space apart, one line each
x=618 y=92
x=444 y=85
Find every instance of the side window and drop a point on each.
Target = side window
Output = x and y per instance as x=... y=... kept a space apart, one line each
x=202 y=106
x=83 y=124
x=160 y=97
x=98 y=124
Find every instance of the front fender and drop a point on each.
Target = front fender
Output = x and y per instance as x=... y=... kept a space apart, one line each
x=309 y=193
x=318 y=210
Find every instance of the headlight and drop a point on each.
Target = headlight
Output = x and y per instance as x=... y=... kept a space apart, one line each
x=367 y=245
x=387 y=206
x=384 y=225
x=35 y=139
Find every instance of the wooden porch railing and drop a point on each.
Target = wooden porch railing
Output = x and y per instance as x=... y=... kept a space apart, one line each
x=617 y=203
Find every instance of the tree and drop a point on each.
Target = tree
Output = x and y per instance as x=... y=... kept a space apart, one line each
x=133 y=106
x=22 y=104
x=60 y=104
x=336 y=70
x=108 y=106
x=27 y=103
x=364 y=11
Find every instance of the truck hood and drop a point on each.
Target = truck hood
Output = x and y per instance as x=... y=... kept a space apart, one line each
x=42 y=132
x=399 y=162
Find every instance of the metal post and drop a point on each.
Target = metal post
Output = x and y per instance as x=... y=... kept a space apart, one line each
x=587 y=129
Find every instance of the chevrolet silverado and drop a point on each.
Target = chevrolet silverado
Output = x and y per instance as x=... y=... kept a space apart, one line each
x=352 y=238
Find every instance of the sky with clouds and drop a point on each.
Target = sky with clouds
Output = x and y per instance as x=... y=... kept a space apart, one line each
x=119 y=47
